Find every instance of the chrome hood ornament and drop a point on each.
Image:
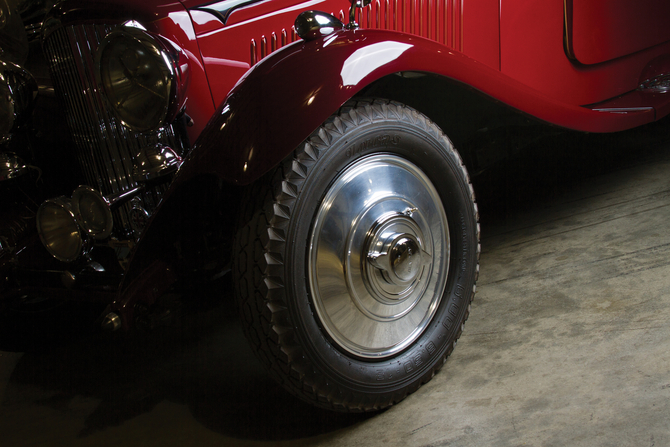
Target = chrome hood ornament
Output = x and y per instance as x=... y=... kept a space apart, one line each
x=356 y=4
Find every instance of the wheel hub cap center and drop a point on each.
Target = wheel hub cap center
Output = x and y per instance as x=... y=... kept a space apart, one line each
x=395 y=257
x=406 y=258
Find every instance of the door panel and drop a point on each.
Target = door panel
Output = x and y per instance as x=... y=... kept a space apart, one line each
x=602 y=30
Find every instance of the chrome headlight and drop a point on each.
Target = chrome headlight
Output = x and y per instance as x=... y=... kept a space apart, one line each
x=66 y=226
x=17 y=94
x=92 y=211
x=58 y=229
x=141 y=78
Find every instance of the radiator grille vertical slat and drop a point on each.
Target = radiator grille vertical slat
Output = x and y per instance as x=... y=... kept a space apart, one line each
x=62 y=63
x=106 y=149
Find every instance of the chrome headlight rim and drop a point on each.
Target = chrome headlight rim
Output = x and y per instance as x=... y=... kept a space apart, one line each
x=165 y=59
x=60 y=234
x=18 y=90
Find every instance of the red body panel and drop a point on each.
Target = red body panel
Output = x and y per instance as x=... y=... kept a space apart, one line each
x=533 y=52
x=602 y=30
x=269 y=29
x=122 y=10
x=199 y=103
x=522 y=41
x=269 y=113
x=268 y=26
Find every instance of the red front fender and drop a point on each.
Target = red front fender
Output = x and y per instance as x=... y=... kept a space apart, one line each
x=279 y=102
x=283 y=99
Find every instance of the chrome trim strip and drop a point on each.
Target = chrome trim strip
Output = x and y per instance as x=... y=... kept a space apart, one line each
x=223 y=10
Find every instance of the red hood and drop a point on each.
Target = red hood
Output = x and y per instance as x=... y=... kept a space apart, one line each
x=69 y=11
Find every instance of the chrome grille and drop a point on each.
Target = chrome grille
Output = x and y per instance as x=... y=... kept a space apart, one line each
x=106 y=149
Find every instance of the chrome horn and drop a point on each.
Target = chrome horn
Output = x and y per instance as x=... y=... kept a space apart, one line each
x=154 y=162
x=311 y=25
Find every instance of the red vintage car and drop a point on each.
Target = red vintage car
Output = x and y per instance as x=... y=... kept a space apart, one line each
x=320 y=150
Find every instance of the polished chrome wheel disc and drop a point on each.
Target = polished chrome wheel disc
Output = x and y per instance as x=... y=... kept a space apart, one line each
x=378 y=256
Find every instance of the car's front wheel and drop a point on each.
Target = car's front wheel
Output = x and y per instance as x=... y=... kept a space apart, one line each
x=356 y=259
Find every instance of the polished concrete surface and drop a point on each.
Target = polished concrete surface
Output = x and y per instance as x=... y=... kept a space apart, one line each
x=568 y=343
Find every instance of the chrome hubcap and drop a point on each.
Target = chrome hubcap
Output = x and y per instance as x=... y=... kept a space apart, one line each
x=394 y=257
x=378 y=256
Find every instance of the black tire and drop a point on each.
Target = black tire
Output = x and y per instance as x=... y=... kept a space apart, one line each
x=374 y=261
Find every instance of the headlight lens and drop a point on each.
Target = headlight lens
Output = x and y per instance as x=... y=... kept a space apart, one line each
x=92 y=212
x=58 y=229
x=138 y=77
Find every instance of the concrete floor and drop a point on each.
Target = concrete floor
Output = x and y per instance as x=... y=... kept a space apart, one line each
x=568 y=343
